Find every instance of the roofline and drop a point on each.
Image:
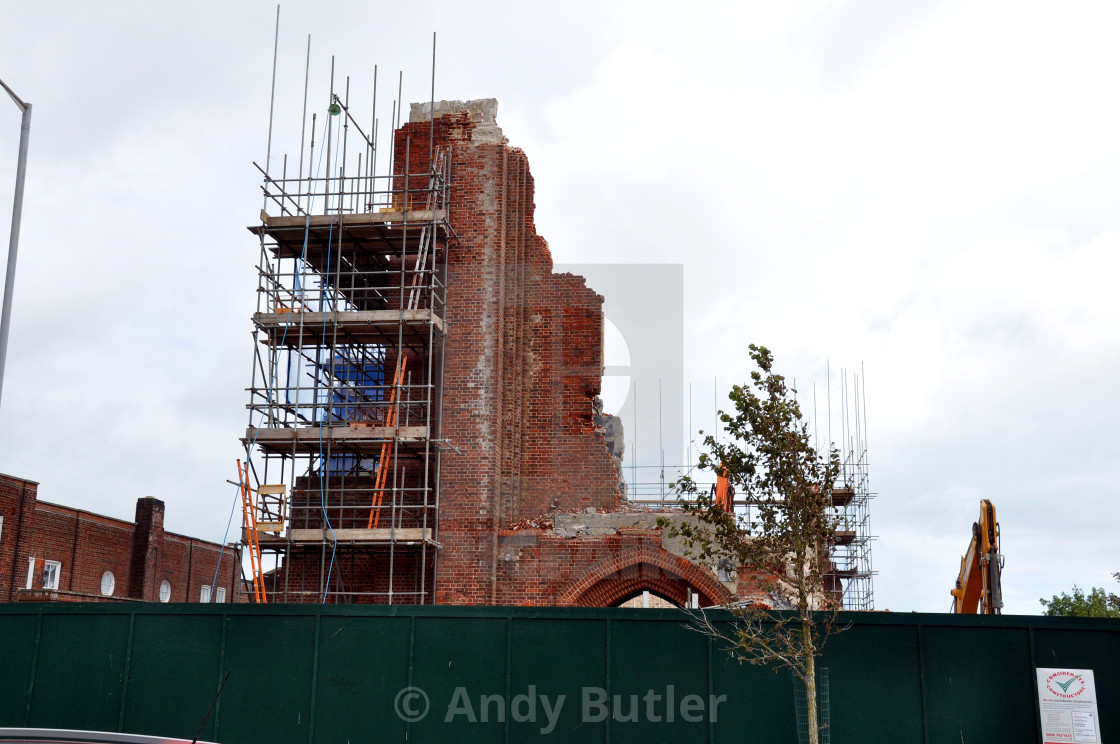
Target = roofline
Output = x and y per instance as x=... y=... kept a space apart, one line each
x=16 y=477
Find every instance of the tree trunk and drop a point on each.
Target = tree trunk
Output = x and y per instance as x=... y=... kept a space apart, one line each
x=810 y=683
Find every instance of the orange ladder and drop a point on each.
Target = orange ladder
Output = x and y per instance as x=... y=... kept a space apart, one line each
x=250 y=533
x=382 y=464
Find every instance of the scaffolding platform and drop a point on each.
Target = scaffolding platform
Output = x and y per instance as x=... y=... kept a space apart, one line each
x=374 y=232
x=359 y=439
x=843 y=496
x=358 y=327
x=373 y=535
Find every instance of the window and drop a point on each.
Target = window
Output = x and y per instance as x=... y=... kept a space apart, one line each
x=51 y=571
x=108 y=583
x=1 y=530
x=220 y=594
x=31 y=572
x=165 y=591
x=204 y=597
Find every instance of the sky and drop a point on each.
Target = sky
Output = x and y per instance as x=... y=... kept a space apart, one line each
x=925 y=191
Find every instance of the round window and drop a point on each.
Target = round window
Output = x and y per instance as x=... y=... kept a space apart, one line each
x=108 y=583
x=165 y=591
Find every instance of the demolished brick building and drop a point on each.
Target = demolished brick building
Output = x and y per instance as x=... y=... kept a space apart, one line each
x=444 y=446
x=524 y=509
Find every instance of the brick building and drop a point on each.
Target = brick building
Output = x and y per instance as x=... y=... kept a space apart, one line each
x=50 y=552
x=530 y=506
x=493 y=482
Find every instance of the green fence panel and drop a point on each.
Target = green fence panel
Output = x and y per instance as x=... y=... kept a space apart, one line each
x=79 y=674
x=460 y=665
x=363 y=665
x=17 y=649
x=174 y=658
x=659 y=682
x=759 y=707
x=271 y=655
x=874 y=683
x=551 y=664
x=980 y=684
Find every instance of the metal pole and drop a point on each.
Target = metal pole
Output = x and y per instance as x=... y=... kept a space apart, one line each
x=272 y=100
x=13 y=242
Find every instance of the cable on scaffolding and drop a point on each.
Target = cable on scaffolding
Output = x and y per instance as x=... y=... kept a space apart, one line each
x=322 y=459
x=249 y=448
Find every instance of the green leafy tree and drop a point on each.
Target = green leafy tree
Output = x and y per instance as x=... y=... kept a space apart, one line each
x=781 y=540
x=1098 y=603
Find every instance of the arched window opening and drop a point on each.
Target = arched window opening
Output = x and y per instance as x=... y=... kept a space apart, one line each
x=648 y=600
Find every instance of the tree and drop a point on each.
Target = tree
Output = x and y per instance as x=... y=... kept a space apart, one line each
x=784 y=535
x=1098 y=604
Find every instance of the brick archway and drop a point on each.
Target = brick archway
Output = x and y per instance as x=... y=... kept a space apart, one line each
x=634 y=570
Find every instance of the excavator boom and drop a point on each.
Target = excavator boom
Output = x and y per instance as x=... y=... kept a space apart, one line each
x=978 y=584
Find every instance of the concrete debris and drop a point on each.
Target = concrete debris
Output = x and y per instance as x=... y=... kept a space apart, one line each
x=483 y=111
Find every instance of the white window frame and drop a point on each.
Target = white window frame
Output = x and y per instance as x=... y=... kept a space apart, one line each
x=31 y=572
x=204 y=595
x=112 y=581
x=220 y=595
x=55 y=575
x=1 y=530
x=165 y=591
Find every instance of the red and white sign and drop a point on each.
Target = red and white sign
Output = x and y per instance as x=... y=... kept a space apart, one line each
x=1067 y=706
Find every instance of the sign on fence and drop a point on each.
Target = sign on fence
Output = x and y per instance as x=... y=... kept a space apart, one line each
x=1067 y=706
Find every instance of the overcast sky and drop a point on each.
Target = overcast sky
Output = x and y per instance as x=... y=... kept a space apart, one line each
x=926 y=189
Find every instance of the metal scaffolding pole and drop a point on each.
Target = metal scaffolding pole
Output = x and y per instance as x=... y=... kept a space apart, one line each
x=13 y=241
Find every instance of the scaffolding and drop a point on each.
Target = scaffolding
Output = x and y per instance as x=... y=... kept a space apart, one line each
x=851 y=497
x=851 y=551
x=342 y=447
x=850 y=575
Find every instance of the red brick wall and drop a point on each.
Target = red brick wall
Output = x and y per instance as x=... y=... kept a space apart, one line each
x=189 y=564
x=362 y=572
x=87 y=545
x=523 y=365
x=17 y=503
x=147 y=552
x=538 y=567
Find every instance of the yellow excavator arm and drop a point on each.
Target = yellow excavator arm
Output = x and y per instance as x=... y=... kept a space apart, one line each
x=978 y=584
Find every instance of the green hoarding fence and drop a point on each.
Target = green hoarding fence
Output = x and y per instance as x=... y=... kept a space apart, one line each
x=308 y=674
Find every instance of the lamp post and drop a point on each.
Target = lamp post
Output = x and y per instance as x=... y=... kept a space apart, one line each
x=13 y=242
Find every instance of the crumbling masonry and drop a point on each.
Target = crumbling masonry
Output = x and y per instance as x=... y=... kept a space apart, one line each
x=443 y=445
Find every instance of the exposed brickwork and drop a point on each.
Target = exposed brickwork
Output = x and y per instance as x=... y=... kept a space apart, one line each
x=523 y=364
x=147 y=550
x=140 y=555
x=606 y=570
x=366 y=571
x=522 y=369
